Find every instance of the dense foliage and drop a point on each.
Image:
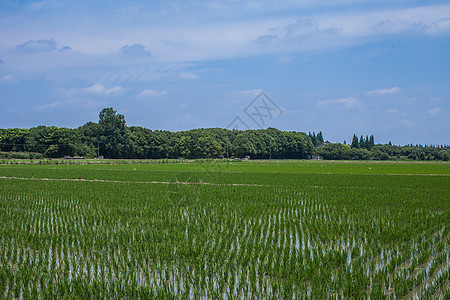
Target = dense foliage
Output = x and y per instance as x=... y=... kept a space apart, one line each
x=383 y=152
x=218 y=230
x=21 y=155
x=317 y=139
x=112 y=138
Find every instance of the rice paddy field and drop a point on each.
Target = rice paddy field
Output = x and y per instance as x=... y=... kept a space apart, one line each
x=222 y=229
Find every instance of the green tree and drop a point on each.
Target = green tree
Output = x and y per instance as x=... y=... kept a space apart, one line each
x=320 y=137
x=316 y=139
x=333 y=151
x=356 y=154
x=379 y=155
x=54 y=142
x=139 y=142
x=89 y=138
x=13 y=139
x=416 y=153
x=371 y=142
x=113 y=134
x=362 y=144
x=66 y=140
x=355 y=143
x=242 y=144
x=183 y=145
x=445 y=156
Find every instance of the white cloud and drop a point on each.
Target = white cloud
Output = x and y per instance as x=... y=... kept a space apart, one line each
x=267 y=39
x=348 y=102
x=246 y=93
x=78 y=102
x=384 y=92
x=392 y=110
x=7 y=78
x=188 y=76
x=407 y=123
x=38 y=5
x=337 y=29
x=389 y=22
x=67 y=92
x=435 y=111
x=37 y=46
x=99 y=89
x=135 y=50
x=65 y=49
x=302 y=28
x=285 y=28
x=151 y=93
x=284 y=59
x=441 y=26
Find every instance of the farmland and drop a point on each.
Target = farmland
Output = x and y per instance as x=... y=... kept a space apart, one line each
x=281 y=229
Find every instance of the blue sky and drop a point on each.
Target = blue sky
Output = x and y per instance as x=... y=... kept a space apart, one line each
x=340 y=67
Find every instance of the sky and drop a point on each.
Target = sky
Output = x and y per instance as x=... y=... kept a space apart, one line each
x=341 y=67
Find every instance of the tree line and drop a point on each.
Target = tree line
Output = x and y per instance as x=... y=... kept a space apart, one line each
x=112 y=138
x=337 y=151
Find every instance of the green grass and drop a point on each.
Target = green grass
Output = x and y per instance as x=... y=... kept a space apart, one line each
x=290 y=166
x=259 y=229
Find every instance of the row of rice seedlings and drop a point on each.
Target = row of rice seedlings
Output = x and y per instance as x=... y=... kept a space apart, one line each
x=208 y=241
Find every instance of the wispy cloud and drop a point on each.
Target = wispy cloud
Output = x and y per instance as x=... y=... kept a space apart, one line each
x=37 y=46
x=325 y=30
x=151 y=93
x=7 y=78
x=63 y=103
x=135 y=50
x=182 y=39
x=306 y=27
x=435 y=111
x=65 y=49
x=384 y=92
x=440 y=26
x=247 y=93
x=188 y=76
x=347 y=103
x=392 y=110
x=408 y=122
x=99 y=89
x=284 y=59
x=266 y=39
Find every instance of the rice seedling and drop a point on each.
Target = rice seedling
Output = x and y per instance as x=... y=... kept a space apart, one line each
x=124 y=233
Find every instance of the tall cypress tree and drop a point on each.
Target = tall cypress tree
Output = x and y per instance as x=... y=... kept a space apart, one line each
x=371 y=141
x=320 y=137
x=355 y=143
